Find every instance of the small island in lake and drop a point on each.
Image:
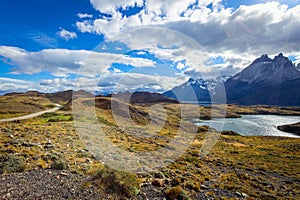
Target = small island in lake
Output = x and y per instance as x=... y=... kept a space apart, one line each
x=291 y=128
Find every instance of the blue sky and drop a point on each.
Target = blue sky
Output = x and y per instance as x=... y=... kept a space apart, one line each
x=43 y=44
x=33 y=24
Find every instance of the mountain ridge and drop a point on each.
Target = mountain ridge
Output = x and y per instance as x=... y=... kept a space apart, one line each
x=265 y=81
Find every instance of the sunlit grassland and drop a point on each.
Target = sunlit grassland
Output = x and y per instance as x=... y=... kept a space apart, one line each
x=261 y=167
x=14 y=106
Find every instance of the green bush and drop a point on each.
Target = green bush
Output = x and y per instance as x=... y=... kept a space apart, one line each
x=173 y=193
x=57 y=117
x=10 y=163
x=118 y=182
x=59 y=165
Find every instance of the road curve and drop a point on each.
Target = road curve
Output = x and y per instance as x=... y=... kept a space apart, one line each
x=32 y=115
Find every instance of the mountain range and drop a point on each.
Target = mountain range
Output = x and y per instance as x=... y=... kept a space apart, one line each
x=265 y=81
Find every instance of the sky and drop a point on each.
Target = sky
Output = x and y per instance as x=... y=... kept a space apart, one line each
x=106 y=46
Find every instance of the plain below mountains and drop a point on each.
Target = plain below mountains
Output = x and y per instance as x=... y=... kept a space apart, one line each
x=265 y=81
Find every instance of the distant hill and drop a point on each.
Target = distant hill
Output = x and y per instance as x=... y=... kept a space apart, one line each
x=57 y=97
x=65 y=97
x=20 y=103
x=28 y=93
x=144 y=97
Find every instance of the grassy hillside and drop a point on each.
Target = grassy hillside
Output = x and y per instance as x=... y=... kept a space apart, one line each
x=238 y=167
x=11 y=106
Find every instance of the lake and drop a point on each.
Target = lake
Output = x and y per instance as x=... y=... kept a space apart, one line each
x=253 y=125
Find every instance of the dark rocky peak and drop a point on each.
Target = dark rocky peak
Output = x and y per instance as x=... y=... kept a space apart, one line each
x=273 y=71
x=281 y=58
x=263 y=58
x=298 y=67
x=191 y=80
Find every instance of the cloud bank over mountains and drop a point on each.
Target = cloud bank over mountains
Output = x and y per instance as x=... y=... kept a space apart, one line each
x=230 y=37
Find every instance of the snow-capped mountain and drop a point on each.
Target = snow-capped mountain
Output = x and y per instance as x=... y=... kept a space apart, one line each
x=265 y=69
x=212 y=84
x=196 y=82
x=196 y=89
x=265 y=81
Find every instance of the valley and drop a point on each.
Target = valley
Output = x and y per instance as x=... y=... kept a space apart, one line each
x=236 y=167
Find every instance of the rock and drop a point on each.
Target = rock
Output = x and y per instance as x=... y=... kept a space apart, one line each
x=29 y=144
x=188 y=174
x=245 y=195
x=158 y=182
x=49 y=146
x=204 y=187
x=238 y=194
x=283 y=187
x=232 y=133
x=143 y=174
x=144 y=185
x=63 y=174
x=159 y=175
x=15 y=142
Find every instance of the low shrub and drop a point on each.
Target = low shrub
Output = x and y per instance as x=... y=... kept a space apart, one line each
x=10 y=163
x=59 y=165
x=173 y=193
x=117 y=182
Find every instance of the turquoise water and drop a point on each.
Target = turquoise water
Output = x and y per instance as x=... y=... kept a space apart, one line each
x=250 y=125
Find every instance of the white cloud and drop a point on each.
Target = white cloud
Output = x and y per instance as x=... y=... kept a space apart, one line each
x=112 y=83
x=62 y=62
x=135 y=81
x=43 y=39
x=84 y=15
x=268 y=27
x=67 y=35
x=108 y=6
x=180 y=65
x=14 y=85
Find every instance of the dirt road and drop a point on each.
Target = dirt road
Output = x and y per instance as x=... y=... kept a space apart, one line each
x=32 y=115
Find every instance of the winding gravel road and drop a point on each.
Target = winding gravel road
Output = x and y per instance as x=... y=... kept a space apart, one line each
x=32 y=115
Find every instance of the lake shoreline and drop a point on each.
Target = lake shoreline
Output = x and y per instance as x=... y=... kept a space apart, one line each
x=253 y=125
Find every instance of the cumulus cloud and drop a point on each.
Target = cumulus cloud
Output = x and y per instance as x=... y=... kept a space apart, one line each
x=113 y=83
x=205 y=29
x=270 y=27
x=14 y=85
x=62 y=62
x=107 y=6
x=67 y=35
x=84 y=15
x=135 y=81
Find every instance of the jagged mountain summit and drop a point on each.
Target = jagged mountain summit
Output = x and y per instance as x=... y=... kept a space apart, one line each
x=265 y=81
x=265 y=69
x=192 y=90
x=196 y=89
